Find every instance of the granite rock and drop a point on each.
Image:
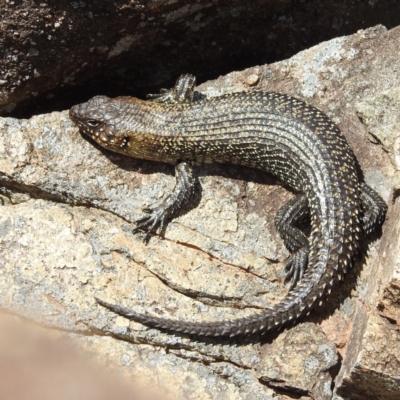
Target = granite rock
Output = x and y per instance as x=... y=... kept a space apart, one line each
x=66 y=236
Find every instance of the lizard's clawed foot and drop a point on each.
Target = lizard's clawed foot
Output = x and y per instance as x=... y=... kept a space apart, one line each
x=165 y=96
x=156 y=217
x=296 y=267
x=181 y=93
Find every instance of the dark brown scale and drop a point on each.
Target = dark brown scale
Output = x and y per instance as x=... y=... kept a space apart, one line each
x=269 y=131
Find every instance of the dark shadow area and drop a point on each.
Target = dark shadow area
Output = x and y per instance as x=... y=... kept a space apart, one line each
x=288 y=393
x=396 y=195
x=223 y=37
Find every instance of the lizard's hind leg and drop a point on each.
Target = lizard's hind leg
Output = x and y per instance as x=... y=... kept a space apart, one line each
x=293 y=212
x=374 y=208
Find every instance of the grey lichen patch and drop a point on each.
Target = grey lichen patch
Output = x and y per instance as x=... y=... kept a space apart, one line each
x=380 y=115
x=311 y=364
x=328 y=353
x=6 y=227
x=378 y=181
x=348 y=307
x=321 y=59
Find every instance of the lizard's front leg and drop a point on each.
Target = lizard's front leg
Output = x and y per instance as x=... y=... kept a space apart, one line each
x=182 y=92
x=159 y=215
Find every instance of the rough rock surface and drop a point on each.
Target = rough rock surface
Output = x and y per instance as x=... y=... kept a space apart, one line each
x=66 y=236
x=312 y=356
x=135 y=45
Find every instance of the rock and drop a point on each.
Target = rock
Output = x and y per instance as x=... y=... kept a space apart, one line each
x=371 y=366
x=312 y=359
x=380 y=116
x=66 y=236
x=374 y=370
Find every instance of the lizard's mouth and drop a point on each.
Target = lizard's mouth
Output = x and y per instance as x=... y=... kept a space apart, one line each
x=108 y=141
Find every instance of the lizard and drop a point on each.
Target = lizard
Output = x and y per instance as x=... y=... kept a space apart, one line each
x=270 y=131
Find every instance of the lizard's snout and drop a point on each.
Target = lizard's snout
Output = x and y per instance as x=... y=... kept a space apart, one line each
x=72 y=112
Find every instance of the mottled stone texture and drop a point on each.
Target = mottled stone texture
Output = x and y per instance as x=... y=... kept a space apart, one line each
x=300 y=361
x=66 y=236
x=371 y=368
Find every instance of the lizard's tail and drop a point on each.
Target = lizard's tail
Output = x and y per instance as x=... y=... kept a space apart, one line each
x=317 y=282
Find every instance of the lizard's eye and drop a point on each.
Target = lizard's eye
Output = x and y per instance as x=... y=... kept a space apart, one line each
x=93 y=123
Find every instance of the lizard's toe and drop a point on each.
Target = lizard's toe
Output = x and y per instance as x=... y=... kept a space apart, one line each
x=151 y=222
x=296 y=267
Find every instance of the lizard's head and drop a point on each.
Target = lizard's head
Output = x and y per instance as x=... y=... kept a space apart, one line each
x=97 y=118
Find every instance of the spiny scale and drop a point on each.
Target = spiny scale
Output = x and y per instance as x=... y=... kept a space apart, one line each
x=269 y=131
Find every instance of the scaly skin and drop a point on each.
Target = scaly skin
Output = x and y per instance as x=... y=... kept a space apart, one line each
x=270 y=131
